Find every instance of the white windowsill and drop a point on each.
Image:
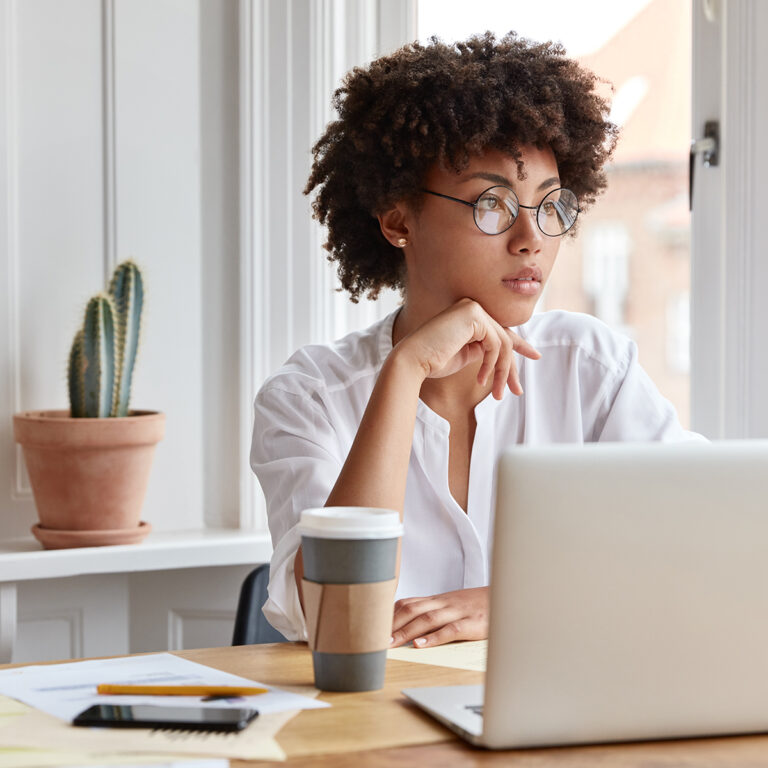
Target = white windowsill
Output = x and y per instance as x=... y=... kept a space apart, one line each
x=25 y=559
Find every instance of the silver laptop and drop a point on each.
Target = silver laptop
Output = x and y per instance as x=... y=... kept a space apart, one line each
x=629 y=597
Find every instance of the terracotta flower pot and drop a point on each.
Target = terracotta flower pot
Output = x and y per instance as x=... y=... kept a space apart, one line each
x=89 y=476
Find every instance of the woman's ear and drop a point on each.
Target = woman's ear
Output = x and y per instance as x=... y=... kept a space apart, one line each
x=394 y=226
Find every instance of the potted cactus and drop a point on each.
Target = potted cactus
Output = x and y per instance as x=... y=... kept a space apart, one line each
x=89 y=466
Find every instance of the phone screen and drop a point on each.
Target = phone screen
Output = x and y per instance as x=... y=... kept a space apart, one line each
x=155 y=716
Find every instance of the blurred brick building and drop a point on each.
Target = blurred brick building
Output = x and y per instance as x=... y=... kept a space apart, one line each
x=630 y=264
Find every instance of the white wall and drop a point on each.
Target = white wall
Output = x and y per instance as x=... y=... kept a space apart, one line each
x=143 y=128
x=123 y=127
x=52 y=204
x=118 y=138
x=100 y=140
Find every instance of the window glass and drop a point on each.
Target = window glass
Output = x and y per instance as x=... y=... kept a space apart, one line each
x=630 y=263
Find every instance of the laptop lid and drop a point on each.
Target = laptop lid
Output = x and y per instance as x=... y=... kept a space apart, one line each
x=629 y=593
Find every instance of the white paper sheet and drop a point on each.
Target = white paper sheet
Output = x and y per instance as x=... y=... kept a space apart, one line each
x=471 y=654
x=64 y=690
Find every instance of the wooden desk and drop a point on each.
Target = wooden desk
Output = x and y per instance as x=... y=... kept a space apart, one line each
x=361 y=729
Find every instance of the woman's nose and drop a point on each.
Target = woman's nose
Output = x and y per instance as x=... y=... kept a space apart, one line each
x=525 y=235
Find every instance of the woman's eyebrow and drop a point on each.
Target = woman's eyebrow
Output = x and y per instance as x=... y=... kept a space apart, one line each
x=552 y=182
x=495 y=177
x=499 y=179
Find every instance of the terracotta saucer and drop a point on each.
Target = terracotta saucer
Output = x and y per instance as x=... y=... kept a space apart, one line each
x=56 y=539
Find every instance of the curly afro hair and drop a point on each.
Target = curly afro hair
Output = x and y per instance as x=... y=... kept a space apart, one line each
x=441 y=103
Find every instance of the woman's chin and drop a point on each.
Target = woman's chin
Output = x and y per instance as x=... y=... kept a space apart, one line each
x=511 y=317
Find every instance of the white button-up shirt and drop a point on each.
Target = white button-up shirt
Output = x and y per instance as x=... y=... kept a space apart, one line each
x=587 y=386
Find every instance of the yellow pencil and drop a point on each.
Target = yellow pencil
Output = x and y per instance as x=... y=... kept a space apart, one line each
x=180 y=690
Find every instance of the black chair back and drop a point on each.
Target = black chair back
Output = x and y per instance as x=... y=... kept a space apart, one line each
x=251 y=626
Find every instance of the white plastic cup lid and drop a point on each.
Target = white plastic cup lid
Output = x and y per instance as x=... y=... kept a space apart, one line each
x=350 y=523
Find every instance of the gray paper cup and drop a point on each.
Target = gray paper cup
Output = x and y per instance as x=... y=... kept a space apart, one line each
x=346 y=546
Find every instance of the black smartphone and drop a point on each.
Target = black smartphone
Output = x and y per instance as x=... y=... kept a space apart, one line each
x=155 y=716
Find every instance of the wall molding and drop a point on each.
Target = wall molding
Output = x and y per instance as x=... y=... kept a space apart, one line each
x=176 y=619
x=254 y=237
x=324 y=54
x=8 y=621
x=110 y=149
x=20 y=489
x=72 y=617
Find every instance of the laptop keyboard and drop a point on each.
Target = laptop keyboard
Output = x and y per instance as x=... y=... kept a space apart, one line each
x=476 y=708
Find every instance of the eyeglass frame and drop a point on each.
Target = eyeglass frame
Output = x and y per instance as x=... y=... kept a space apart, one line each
x=519 y=205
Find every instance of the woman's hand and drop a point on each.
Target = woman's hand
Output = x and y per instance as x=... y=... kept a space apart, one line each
x=464 y=334
x=460 y=615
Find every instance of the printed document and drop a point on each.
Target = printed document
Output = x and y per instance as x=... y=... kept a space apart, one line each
x=64 y=690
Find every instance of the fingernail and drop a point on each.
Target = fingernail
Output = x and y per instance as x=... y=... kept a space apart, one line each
x=419 y=641
x=391 y=640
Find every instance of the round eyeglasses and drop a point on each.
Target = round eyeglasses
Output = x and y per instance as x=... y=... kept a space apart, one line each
x=497 y=208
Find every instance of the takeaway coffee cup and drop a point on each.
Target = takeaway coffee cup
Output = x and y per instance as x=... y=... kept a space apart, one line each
x=350 y=557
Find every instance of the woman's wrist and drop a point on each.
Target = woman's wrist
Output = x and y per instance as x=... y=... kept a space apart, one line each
x=407 y=363
x=376 y=469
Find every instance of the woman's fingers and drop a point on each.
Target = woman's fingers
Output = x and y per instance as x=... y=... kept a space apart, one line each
x=473 y=353
x=465 y=334
x=523 y=347
x=400 y=604
x=513 y=381
x=504 y=362
x=460 y=615
x=491 y=344
x=423 y=624
x=505 y=367
x=411 y=608
x=462 y=629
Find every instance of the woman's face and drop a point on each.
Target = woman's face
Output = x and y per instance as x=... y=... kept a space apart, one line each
x=449 y=258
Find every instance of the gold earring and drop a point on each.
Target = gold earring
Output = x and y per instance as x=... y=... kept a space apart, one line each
x=402 y=242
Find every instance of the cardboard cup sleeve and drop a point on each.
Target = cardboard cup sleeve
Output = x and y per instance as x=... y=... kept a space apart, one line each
x=349 y=618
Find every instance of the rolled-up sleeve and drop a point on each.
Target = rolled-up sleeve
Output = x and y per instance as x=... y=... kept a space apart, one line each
x=296 y=457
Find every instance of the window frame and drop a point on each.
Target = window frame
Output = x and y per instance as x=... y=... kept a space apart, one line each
x=729 y=364
x=293 y=54
x=729 y=278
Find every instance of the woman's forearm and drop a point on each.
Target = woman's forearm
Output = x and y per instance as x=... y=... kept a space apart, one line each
x=376 y=469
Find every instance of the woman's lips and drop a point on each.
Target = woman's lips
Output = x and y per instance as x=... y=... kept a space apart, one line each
x=525 y=286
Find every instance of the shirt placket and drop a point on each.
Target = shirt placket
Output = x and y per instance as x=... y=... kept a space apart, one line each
x=482 y=484
x=435 y=461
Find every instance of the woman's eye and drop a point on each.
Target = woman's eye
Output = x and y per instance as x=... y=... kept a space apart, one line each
x=489 y=203
x=549 y=208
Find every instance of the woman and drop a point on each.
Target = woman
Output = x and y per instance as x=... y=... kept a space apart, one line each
x=451 y=174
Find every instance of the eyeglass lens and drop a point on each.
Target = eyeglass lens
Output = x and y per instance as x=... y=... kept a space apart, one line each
x=497 y=210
